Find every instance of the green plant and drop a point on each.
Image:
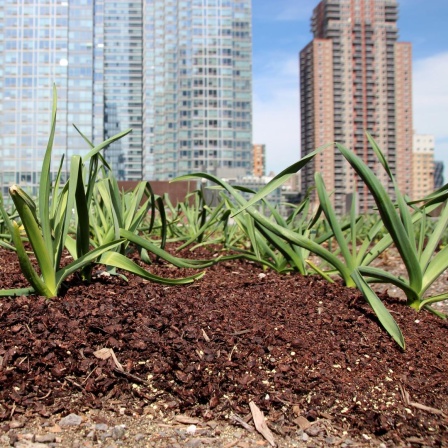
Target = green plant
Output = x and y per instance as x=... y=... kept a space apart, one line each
x=421 y=260
x=6 y=216
x=347 y=268
x=353 y=260
x=47 y=224
x=117 y=214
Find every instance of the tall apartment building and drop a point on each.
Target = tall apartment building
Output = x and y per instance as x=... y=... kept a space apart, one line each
x=42 y=42
x=178 y=72
x=438 y=174
x=423 y=166
x=355 y=77
x=259 y=160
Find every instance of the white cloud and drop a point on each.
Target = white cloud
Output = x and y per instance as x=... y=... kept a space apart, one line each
x=296 y=10
x=276 y=112
x=430 y=101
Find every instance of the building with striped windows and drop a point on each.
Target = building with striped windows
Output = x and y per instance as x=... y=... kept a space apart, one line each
x=354 y=77
x=178 y=72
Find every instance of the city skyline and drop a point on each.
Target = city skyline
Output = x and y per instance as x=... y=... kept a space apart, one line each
x=280 y=30
x=177 y=72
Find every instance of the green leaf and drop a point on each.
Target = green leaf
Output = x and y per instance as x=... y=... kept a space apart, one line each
x=44 y=257
x=105 y=144
x=44 y=190
x=179 y=262
x=382 y=313
x=434 y=299
x=213 y=216
x=163 y=218
x=294 y=259
x=70 y=245
x=5 y=215
x=333 y=221
x=290 y=236
x=282 y=177
x=27 y=268
x=390 y=217
x=82 y=231
x=86 y=259
x=121 y=262
x=434 y=238
x=381 y=276
x=16 y=292
x=319 y=271
x=435 y=269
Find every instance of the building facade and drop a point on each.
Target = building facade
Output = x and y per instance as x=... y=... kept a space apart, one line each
x=355 y=77
x=41 y=43
x=259 y=160
x=438 y=174
x=178 y=72
x=423 y=166
x=198 y=70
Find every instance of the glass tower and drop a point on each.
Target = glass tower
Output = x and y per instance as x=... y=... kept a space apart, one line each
x=178 y=72
x=42 y=42
x=197 y=74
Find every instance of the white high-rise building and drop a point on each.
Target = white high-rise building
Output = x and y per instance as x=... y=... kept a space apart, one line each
x=43 y=42
x=197 y=111
x=178 y=72
x=423 y=165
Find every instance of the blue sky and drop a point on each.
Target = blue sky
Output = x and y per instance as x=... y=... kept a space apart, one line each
x=281 y=28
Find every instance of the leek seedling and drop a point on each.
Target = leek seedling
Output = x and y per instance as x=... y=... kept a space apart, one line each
x=47 y=226
x=422 y=263
x=349 y=272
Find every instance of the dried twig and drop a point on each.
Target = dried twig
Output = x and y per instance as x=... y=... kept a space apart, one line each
x=106 y=353
x=236 y=418
x=407 y=401
x=132 y=377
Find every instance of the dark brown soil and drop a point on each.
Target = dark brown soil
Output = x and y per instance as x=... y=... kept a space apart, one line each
x=298 y=347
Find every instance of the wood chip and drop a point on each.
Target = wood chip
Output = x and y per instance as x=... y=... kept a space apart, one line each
x=117 y=364
x=231 y=444
x=207 y=339
x=102 y=353
x=302 y=422
x=426 y=408
x=106 y=353
x=407 y=401
x=238 y=333
x=416 y=440
x=325 y=415
x=260 y=423
x=186 y=420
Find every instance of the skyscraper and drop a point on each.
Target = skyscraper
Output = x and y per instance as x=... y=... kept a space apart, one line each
x=438 y=174
x=178 y=72
x=197 y=71
x=355 y=77
x=423 y=166
x=259 y=160
x=41 y=42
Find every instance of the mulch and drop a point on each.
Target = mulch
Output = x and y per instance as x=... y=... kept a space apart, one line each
x=300 y=348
